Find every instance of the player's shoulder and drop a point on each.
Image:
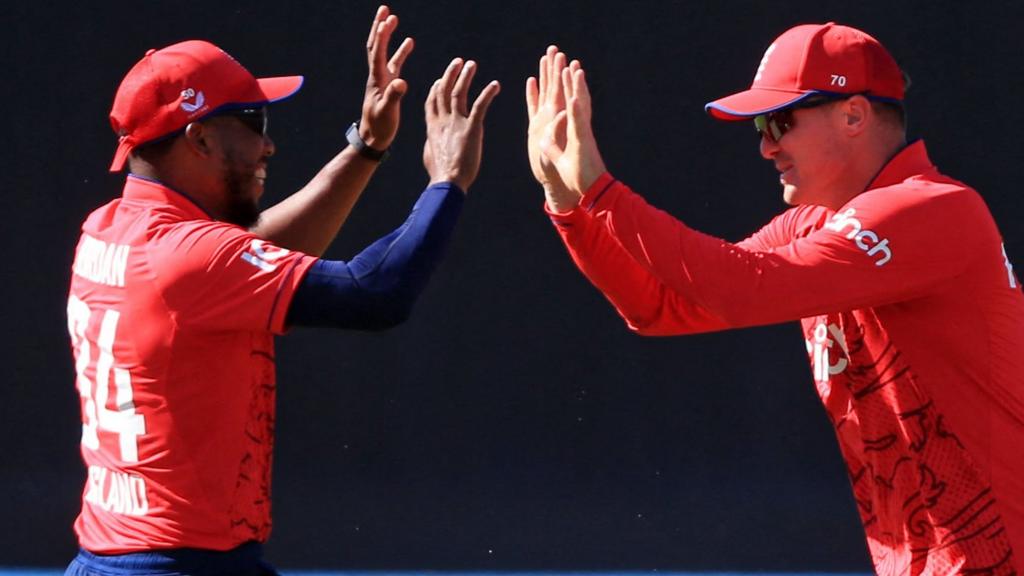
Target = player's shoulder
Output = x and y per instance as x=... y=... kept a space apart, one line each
x=194 y=243
x=931 y=197
x=921 y=213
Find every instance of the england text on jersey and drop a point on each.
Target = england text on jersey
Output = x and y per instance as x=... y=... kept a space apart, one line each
x=116 y=492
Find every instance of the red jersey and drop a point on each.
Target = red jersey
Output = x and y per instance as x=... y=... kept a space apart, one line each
x=914 y=325
x=172 y=317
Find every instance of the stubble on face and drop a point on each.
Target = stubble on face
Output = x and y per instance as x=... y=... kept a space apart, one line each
x=814 y=159
x=242 y=203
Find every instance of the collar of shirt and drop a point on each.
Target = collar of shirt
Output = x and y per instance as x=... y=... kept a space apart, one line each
x=148 y=190
x=910 y=161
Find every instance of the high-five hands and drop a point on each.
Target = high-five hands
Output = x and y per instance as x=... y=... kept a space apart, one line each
x=544 y=100
x=455 y=132
x=560 y=141
x=384 y=87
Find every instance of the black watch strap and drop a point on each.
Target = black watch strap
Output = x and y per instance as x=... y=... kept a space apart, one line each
x=361 y=147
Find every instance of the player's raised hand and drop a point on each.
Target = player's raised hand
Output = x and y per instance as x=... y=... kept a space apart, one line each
x=384 y=87
x=568 y=140
x=454 y=131
x=545 y=98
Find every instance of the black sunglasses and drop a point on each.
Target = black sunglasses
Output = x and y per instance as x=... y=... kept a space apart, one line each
x=255 y=119
x=774 y=125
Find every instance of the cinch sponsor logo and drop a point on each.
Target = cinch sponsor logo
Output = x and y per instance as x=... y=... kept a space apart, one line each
x=866 y=240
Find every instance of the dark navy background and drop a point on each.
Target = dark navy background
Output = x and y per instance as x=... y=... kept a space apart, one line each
x=514 y=422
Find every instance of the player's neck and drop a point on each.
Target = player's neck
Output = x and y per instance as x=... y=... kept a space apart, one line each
x=867 y=162
x=186 y=180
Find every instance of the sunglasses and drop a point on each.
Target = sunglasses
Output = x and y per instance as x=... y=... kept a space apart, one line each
x=774 y=125
x=255 y=119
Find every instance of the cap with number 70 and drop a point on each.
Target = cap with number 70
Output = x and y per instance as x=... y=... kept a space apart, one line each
x=814 y=59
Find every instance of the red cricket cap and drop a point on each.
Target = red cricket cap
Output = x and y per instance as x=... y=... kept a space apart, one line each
x=813 y=59
x=182 y=83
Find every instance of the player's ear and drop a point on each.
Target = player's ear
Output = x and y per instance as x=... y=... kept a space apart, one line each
x=198 y=137
x=855 y=112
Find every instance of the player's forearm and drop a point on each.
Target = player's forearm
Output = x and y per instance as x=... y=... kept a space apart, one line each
x=745 y=286
x=642 y=300
x=308 y=220
x=739 y=286
x=377 y=288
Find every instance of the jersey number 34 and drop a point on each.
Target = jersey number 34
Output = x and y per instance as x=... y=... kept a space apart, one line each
x=122 y=420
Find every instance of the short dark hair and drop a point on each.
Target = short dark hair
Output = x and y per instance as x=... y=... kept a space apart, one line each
x=894 y=111
x=891 y=112
x=155 y=150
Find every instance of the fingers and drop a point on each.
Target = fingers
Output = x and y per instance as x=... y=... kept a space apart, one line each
x=532 y=96
x=556 y=95
x=382 y=14
x=549 y=72
x=543 y=70
x=579 y=87
x=430 y=106
x=450 y=93
x=483 y=102
x=378 y=48
x=460 y=95
x=396 y=62
x=565 y=79
x=446 y=84
x=580 y=106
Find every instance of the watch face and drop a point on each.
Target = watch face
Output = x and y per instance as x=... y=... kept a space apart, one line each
x=352 y=134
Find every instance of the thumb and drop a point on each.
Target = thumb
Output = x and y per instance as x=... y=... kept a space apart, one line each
x=553 y=137
x=394 y=92
x=550 y=171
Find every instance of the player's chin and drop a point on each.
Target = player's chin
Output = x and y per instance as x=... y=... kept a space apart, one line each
x=790 y=194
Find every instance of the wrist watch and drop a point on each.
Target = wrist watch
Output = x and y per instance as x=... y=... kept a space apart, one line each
x=356 y=141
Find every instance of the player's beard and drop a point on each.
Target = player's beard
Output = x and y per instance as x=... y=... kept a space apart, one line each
x=242 y=205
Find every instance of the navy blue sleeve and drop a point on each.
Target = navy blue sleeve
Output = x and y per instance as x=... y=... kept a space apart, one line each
x=377 y=289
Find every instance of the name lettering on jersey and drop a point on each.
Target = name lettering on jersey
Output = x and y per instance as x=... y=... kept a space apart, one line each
x=1009 y=268
x=866 y=240
x=262 y=256
x=116 y=492
x=101 y=262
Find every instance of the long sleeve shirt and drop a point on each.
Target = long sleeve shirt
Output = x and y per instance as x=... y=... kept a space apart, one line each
x=913 y=322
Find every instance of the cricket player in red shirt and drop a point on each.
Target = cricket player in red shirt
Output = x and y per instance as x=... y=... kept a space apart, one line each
x=179 y=286
x=913 y=319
